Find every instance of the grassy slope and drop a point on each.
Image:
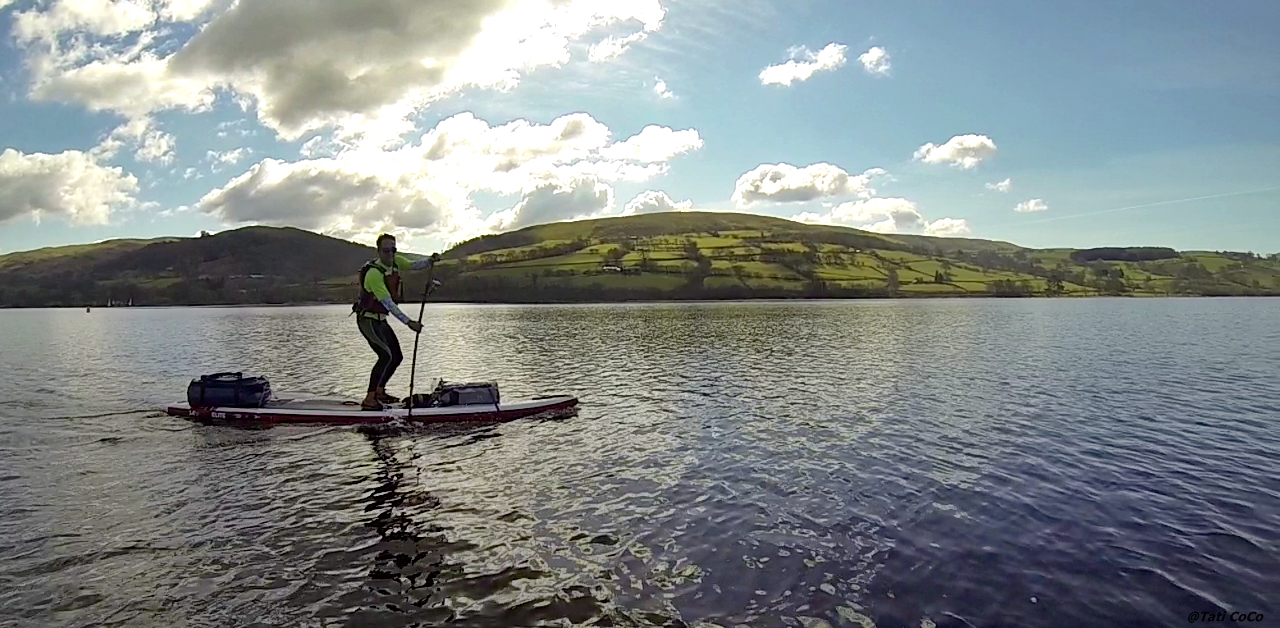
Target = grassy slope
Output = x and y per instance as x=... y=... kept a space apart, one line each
x=751 y=254
x=251 y=262
x=738 y=248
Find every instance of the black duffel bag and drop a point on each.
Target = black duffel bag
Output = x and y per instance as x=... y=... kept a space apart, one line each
x=228 y=390
x=458 y=394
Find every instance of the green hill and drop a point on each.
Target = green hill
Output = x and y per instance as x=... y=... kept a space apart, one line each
x=251 y=264
x=732 y=255
x=675 y=255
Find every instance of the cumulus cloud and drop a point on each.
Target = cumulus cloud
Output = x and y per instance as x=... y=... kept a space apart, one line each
x=363 y=67
x=613 y=47
x=660 y=88
x=1003 y=186
x=1033 y=205
x=134 y=89
x=947 y=227
x=962 y=151
x=885 y=215
x=152 y=144
x=804 y=64
x=561 y=170
x=875 y=61
x=785 y=183
x=654 y=144
x=70 y=184
x=579 y=197
x=322 y=194
x=652 y=201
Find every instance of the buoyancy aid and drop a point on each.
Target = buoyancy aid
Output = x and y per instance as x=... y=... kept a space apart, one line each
x=367 y=302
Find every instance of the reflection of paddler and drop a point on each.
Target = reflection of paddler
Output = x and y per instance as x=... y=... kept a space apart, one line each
x=404 y=556
x=380 y=288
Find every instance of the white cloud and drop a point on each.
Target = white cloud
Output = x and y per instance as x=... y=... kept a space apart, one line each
x=554 y=201
x=561 y=170
x=947 y=227
x=69 y=184
x=134 y=89
x=654 y=144
x=963 y=151
x=183 y=10
x=1003 y=186
x=895 y=214
x=875 y=61
x=651 y=201
x=222 y=159
x=793 y=71
x=153 y=145
x=660 y=88
x=96 y=17
x=613 y=47
x=361 y=67
x=1033 y=205
x=323 y=194
x=885 y=215
x=785 y=183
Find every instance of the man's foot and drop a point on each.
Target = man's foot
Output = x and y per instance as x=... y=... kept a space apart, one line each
x=371 y=402
x=382 y=396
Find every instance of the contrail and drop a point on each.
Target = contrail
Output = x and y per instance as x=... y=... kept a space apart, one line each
x=1120 y=209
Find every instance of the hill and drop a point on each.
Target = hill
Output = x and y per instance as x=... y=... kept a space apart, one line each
x=674 y=255
x=251 y=264
x=732 y=255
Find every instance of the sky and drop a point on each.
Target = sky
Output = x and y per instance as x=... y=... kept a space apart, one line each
x=1046 y=124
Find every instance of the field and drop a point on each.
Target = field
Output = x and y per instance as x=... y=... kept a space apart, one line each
x=795 y=260
x=671 y=255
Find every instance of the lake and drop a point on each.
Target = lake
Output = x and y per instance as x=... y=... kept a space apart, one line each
x=976 y=462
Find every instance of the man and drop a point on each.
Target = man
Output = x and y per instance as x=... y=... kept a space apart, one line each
x=380 y=289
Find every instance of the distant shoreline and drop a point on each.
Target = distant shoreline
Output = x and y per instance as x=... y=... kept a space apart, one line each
x=914 y=297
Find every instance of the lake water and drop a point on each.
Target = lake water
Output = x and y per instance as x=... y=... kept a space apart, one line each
x=1069 y=462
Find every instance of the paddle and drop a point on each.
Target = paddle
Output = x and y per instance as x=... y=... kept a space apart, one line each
x=413 y=367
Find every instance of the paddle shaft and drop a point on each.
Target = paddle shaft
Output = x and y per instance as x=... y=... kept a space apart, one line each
x=413 y=366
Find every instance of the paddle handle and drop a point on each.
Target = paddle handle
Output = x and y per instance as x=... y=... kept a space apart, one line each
x=422 y=306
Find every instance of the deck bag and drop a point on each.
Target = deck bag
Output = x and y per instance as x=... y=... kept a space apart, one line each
x=228 y=390
x=458 y=394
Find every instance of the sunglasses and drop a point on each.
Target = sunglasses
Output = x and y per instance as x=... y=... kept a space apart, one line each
x=387 y=249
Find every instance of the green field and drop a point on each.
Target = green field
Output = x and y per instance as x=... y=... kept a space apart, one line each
x=665 y=255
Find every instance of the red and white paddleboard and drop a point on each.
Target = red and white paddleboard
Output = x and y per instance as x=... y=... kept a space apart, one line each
x=284 y=408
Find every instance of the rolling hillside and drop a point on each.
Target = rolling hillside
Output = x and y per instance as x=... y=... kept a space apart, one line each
x=677 y=255
x=252 y=264
x=729 y=255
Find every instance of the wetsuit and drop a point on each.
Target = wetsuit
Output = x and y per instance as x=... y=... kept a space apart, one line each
x=374 y=326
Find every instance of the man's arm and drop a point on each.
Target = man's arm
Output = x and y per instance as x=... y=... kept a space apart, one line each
x=376 y=284
x=404 y=262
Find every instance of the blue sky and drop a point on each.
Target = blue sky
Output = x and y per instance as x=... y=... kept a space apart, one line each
x=1113 y=124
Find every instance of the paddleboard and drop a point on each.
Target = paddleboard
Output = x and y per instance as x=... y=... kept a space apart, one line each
x=285 y=408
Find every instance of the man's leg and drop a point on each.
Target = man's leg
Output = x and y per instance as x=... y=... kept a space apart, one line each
x=390 y=340
x=369 y=329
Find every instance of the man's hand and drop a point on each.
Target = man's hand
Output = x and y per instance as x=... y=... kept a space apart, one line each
x=415 y=326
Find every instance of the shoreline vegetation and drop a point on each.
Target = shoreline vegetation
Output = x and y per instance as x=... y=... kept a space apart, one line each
x=661 y=257
x=415 y=302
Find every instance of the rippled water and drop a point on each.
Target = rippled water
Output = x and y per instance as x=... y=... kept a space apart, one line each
x=1099 y=462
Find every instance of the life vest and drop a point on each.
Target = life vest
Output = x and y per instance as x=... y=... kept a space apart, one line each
x=369 y=303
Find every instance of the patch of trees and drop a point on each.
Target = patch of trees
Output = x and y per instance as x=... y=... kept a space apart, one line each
x=493 y=242
x=504 y=289
x=541 y=252
x=1009 y=288
x=840 y=238
x=1130 y=254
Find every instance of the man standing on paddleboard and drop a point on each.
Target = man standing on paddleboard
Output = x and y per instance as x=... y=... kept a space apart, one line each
x=380 y=289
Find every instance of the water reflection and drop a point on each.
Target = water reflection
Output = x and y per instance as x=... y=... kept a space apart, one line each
x=766 y=464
